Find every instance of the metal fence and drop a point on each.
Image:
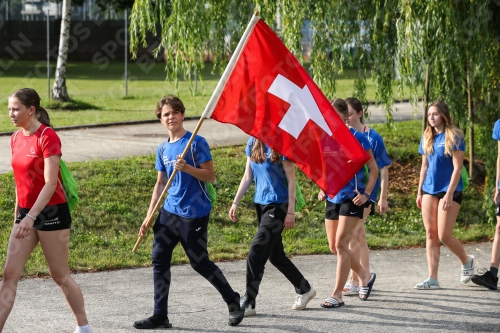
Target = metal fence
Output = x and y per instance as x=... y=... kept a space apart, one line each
x=98 y=48
x=98 y=52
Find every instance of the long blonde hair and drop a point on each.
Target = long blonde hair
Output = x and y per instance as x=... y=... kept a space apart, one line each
x=453 y=135
x=258 y=153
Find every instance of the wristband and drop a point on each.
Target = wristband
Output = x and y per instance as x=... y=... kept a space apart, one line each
x=366 y=195
x=419 y=193
x=234 y=203
x=290 y=214
x=31 y=217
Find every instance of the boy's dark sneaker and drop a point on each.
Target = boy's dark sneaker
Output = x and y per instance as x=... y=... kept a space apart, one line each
x=247 y=306
x=152 y=323
x=236 y=314
x=486 y=280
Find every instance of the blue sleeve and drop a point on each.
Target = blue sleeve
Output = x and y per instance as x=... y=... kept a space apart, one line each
x=496 y=130
x=248 y=148
x=160 y=166
x=421 y=147
x=461 y=145
x=379 y=151
x=201 y=150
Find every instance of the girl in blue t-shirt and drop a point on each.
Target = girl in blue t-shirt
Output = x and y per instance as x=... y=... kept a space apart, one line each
x=184 y=216
x=341 y=218
x=440 y=191
x=358 y=244
x=274 y=199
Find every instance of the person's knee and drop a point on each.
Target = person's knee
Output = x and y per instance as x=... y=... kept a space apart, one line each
x=341 y=247
x=200 y=263
x=277 y=258
x=11 y=274
x=445 y=237
x=61 y=278
x=432 y=234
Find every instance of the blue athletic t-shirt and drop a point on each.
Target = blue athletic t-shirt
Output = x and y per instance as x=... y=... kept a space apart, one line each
x=185 y=196
x=496 y=135
x=270 y=178
x=347 y=192
x=440 y=166
x=380 y=155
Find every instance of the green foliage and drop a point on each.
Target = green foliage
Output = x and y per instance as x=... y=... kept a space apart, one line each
x=458 y=41
x=402 y=148
x=389 y=39
x=115 y=196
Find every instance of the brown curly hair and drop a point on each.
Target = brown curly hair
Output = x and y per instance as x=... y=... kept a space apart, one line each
x=173 y=101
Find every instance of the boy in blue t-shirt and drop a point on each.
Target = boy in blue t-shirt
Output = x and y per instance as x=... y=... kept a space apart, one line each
x=184 y=216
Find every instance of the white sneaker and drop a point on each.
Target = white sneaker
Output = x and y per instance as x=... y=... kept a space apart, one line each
x=302 y=300
x=84 y=329
x=249 y=310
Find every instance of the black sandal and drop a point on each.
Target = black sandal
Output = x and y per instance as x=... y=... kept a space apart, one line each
x=331 y=303
x=366 y=290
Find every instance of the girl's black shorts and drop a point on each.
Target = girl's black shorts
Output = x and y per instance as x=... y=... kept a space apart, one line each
x=348 y=208
x=457 y=196
x=51 y=218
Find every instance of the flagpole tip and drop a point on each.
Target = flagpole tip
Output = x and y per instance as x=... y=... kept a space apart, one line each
x=256 y=13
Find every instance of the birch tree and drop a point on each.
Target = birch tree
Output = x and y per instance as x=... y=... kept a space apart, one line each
x=59 y=90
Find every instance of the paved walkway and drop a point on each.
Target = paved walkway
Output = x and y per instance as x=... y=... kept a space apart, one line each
x=115 y=299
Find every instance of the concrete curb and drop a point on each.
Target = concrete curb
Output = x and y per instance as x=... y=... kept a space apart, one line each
x=121 y=123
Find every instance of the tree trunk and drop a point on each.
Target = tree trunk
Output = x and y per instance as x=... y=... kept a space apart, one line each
x=59 y=91
x=426 y=99
x=471 y=125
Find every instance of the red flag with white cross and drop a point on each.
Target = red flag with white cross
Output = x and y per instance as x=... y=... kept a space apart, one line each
x=269 y=95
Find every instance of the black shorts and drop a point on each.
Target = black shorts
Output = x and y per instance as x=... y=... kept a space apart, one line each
x=372 y=207
x=348 y=208
x=51 y=218
x=457 y=196
x=497 y=210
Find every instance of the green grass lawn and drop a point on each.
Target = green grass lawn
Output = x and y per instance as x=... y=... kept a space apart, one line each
x=115 y=196
x=104 y=90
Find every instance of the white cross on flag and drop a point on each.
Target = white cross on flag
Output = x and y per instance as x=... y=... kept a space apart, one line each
x=269 y=95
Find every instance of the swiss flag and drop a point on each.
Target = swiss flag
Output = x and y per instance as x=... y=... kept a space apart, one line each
x=270 y=96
